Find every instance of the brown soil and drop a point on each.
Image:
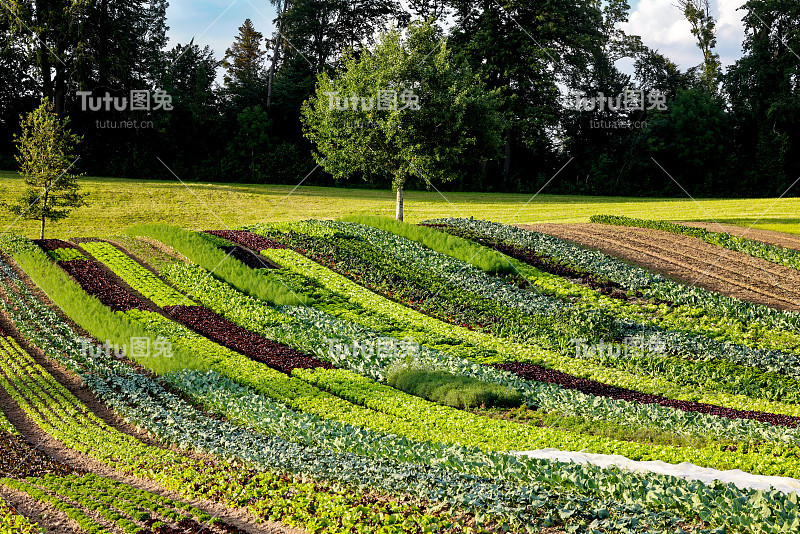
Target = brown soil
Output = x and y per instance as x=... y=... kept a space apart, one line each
x=689 y=260
x=779 y=239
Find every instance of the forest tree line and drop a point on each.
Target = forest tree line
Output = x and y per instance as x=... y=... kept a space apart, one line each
x=717 y=132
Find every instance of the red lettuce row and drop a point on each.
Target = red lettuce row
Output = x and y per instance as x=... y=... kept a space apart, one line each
x=234 y=337
x=97 y=282
x=247 y=239
x=20 y=459
x=538 y=373
x=52 y=244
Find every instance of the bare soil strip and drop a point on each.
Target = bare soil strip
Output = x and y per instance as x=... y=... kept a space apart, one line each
x=689 y=260
x=772 y=237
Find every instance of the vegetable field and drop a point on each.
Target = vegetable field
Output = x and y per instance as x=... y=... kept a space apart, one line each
x=366 y=375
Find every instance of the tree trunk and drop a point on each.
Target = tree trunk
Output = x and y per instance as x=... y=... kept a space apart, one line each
x=44 y=204
x=507 y=160
x=399 y=210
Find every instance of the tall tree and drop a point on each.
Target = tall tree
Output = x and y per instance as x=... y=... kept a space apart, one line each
x=406 y=110
x=698 y=14
x=46 y=156
x=524 y=48
x=244 y=60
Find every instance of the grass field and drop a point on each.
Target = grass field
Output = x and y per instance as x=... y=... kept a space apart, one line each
x=116 y=204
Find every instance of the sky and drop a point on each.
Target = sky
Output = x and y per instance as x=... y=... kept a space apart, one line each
x=658 y=22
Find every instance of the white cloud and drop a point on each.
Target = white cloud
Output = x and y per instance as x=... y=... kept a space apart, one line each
x=661 y=26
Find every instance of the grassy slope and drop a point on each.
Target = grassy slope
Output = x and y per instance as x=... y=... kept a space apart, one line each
x=116 y=204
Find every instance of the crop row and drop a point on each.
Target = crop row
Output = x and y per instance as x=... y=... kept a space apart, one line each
x=541 y=374
x=201 y=251
x=247 y=239
x=131 y=510
x=234 y=337
x=97 y=282
x=775 y=254
x=135 y=275
x=12 y=522
x=20 y=459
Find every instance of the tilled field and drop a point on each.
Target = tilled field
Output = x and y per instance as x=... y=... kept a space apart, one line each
x=690 y=261
x=779 y=239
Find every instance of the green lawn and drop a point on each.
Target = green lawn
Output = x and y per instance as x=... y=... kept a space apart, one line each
x=115 y=204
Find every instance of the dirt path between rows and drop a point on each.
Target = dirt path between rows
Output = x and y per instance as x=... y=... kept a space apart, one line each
x=688 y=260
x=779 y=239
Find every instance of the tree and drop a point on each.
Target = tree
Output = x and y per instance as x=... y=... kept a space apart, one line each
x=46 y=155
x=437 y=118
x=698 y=13
x=244 y=60
x=523 y=48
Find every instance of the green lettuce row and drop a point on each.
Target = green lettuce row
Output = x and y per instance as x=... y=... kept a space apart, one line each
x=726 y=505
x=772 y=253
x=164 y=507
x=136 y=276
x=92 y=501
x=65 y=254
x=312 y=331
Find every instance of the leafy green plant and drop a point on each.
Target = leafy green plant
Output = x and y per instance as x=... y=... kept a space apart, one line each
x=451 y=390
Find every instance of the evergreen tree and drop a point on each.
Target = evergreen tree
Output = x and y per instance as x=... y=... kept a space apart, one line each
x=244 y=60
